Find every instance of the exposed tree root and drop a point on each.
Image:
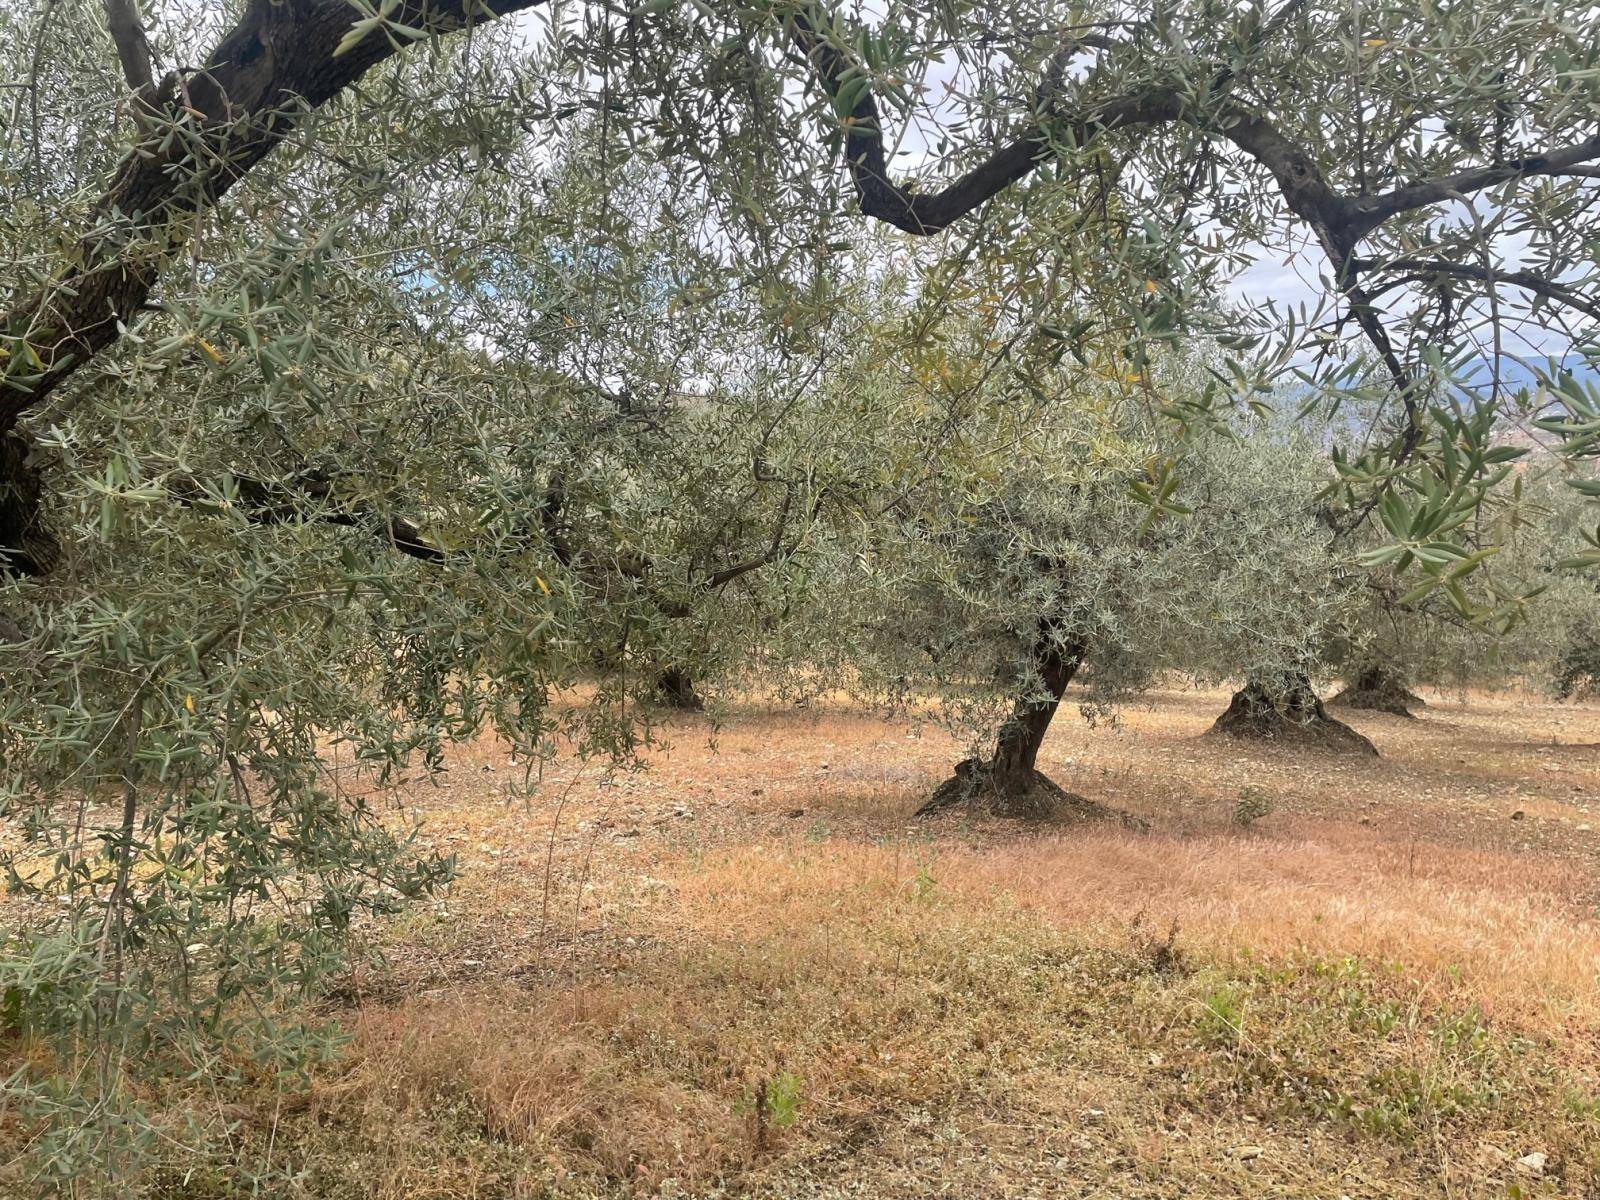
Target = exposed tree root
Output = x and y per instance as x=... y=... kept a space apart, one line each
x=1026 y=795
x=1295 y=717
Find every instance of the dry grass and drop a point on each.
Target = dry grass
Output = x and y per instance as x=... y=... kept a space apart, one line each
x=750 y=974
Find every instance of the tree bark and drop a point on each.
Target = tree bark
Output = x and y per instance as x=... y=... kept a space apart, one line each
x=1377 y=689
x=1009 y=783
x=1287 y=710
x=26 y=545
x=1016 y=751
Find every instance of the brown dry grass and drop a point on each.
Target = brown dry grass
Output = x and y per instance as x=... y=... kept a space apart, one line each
x=1385 y=986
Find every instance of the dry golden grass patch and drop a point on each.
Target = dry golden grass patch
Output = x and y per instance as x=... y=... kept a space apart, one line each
x=1385 y=986
x=941 y=1037
x=747 y=972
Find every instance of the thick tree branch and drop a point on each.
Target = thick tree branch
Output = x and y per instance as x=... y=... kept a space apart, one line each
x=1367 y=213
x=133 y=49
x=930 y=213
x=867 y=158
x=272 y=68
x=1340 y=222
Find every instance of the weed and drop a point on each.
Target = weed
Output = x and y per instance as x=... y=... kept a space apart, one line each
x=1253 y=805
x=1222 y=1016
x=783 y=1100
x=923 y=886
x=1466 y=1030
x=1580 y=1105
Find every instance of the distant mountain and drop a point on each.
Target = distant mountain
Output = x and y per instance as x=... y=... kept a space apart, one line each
x=1516 y=374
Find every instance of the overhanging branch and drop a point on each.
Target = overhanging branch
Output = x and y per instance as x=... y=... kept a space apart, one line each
x=133 y=48
x=273 y=67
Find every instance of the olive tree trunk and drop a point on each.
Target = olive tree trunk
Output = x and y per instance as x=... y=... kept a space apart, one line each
x=1009 y=783
x=1287 y=709
x=1378 y=689
x=675 y=689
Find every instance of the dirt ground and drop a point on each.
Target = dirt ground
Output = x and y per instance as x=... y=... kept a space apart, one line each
x=748 y=971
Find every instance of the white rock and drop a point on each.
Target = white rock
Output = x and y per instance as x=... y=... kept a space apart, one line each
x=1532 y=1164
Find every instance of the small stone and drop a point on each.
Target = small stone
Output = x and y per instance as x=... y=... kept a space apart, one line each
x=1519 y=815
x=1532 y=1164
x=795 y=812
x=628 y=833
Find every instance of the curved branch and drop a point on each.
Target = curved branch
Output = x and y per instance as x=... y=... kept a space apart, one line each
x=282 y=60
x=880 y=197
x=929 y=213
x=1526 y=280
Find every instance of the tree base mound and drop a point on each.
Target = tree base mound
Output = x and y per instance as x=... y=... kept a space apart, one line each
x=1393 y=698
x=1028 y=796
x=1298 y=721
x=675 y=689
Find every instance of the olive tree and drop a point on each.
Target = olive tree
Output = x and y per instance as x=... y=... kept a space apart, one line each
x=265 y=489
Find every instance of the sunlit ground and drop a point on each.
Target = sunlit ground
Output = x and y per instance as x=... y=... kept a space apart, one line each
x=748 y=971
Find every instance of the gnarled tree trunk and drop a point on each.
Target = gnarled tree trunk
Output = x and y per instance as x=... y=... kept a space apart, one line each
x=675 y=689
x=1287 y=710
x=1009 y=784
x=1378 y=689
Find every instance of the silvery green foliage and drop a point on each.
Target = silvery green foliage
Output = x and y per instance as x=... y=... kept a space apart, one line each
x=392 y=464
x=1151 y=553
x=1546 y=638
x=302 y=518
x=501 y=373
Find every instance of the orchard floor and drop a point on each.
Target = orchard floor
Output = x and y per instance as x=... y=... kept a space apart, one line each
x=748 y=972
